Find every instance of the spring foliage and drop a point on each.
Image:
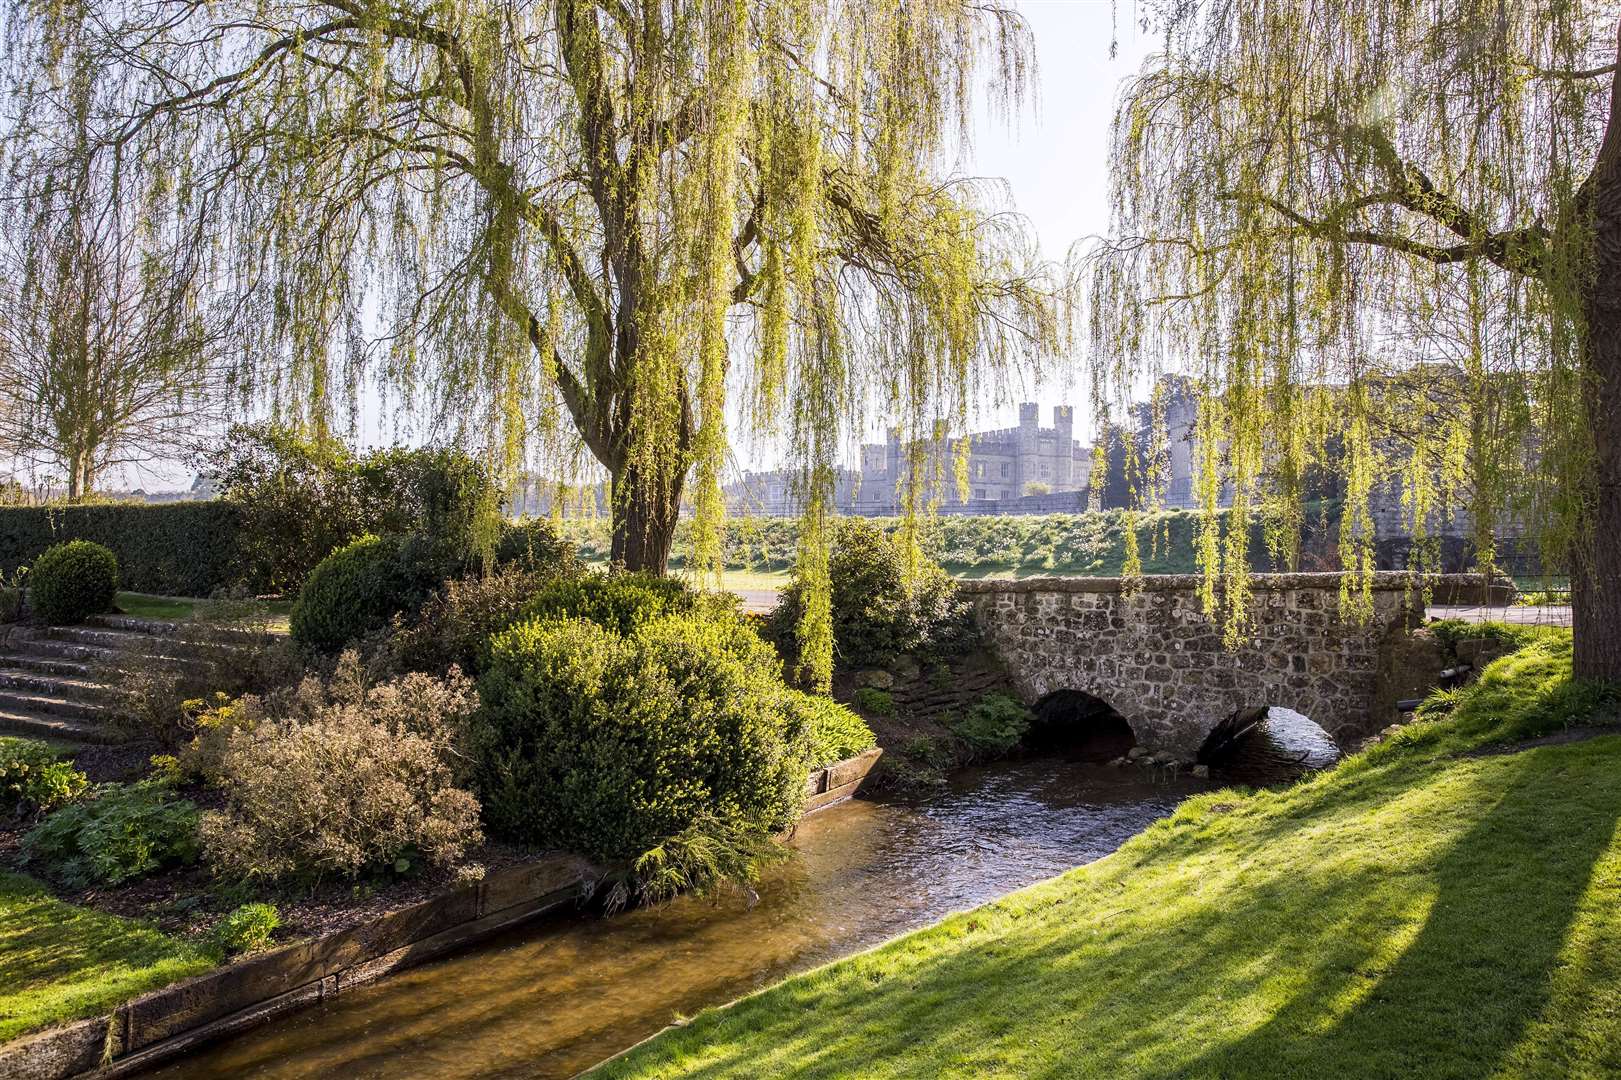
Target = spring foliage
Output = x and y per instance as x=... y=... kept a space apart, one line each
x=1360 y=229
x=566 y=226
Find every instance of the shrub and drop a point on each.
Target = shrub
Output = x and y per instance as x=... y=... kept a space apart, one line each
x=124 y=831
x=612 y=744
x=299 y=499
x=877 y=702
x=33 y=776
x=835 y=732
x=212 y=722
x=457 y=622
x=993 y=726
x=246 y=929
x=879 y=614
x=355 y=591
x=71 y=581
x=347 y=779
x=618 y=601
x=535 y=544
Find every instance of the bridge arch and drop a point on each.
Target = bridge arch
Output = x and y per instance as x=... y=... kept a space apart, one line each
x=1148 y=649
x=1080 y=724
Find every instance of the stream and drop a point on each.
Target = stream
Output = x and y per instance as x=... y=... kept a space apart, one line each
x=556 y=996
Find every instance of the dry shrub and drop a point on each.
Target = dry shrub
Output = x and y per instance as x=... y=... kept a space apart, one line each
x=341 y=779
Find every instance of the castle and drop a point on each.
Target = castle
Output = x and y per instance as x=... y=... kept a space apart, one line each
x=1002 y=465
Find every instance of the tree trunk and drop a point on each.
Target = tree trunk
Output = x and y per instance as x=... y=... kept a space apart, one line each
x=645 y=511
x=1596 y=573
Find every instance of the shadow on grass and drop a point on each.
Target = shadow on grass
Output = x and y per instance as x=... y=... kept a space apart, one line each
x=1461 y=997
x=1415 y=932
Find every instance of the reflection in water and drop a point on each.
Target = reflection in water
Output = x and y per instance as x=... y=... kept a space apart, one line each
x=556 y=997
x=1268 y=746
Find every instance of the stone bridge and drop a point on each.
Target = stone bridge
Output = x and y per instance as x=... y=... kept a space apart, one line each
x=1148 y=651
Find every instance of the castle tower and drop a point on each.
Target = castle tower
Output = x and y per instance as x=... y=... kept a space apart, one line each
x=1064 y=460
x=1029 y=445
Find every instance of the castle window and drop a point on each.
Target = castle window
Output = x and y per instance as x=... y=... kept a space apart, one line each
x=979 y=493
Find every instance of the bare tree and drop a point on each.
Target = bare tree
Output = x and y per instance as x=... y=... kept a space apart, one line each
x=108 y=358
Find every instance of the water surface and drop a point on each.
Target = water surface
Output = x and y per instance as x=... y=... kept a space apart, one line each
x=559 y=995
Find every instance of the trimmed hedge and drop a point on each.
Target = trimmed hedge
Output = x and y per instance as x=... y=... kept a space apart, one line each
x=176 y=549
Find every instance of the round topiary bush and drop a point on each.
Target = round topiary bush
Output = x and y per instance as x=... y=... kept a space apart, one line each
x=611 y=744
x=353 y=592
x=73 y=580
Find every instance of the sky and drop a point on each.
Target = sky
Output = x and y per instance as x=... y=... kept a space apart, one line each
x=1052 y=155
x=1055 y=155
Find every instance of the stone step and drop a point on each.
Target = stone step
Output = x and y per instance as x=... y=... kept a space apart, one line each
x=134 y=643
x=50 y=726
x=55 y=686
x=89 y=657
x=189 y=632
x=22 y=701
x=48 y=665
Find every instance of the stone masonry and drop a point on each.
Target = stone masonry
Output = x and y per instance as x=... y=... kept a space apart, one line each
x=1149 y=651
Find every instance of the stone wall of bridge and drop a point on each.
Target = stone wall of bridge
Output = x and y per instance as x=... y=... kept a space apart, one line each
x=1148 y=650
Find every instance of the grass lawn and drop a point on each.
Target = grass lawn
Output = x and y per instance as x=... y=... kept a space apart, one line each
x=176 y=608
x=59 y=962
x=1421 y=911
x=147 y=606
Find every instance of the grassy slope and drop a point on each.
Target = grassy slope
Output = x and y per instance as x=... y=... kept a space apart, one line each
x=1415 y=913
x=59 y=962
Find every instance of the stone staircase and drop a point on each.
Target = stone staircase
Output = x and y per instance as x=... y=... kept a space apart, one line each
x=54 y=679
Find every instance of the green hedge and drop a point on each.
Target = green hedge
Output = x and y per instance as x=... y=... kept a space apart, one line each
x=176 y=549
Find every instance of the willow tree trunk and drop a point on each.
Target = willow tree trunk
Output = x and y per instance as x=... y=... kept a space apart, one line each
x=645 y=510
x=1596 y=575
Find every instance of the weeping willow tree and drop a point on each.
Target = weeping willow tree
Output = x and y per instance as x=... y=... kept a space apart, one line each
x=1385 y=240
x=567 y=223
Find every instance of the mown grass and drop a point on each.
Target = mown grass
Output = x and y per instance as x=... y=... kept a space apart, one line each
x=147 y=606
x=274 y=613
x=1432 y=908
x=59 y=962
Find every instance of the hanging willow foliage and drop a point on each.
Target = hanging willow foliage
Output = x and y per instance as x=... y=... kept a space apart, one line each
x=1366 y=231
x=547 y=224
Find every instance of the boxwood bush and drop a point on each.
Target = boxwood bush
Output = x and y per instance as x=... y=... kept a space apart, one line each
x=535 y=544
x=355 y=591
x=611 y=743
x=617 y=601
x=72 y=581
